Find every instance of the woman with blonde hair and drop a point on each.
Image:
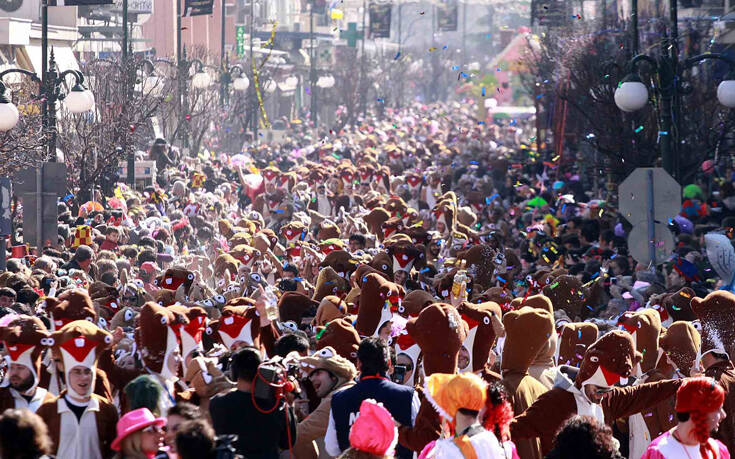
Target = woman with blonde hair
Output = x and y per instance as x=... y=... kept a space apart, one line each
x=139 y=435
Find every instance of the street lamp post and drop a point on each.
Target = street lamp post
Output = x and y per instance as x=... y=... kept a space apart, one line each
x=77 y=100
x=312 y=69
x=632 y=94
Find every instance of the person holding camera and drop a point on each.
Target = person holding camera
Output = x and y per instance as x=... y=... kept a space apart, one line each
x=328 y=373
x=373 y=360
x=264 y=422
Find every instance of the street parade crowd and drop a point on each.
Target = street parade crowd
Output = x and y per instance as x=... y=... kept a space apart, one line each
x=421 y=285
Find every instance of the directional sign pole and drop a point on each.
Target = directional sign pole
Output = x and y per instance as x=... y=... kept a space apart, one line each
x=651 y=221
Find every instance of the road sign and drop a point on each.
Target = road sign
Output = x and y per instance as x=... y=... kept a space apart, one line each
x=351 y=34
x=639 y=246
x=632 y=203
x=648 y=198
x=240 y=37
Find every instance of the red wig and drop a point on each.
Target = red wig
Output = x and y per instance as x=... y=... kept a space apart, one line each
x=699 y=397
x=499 y=412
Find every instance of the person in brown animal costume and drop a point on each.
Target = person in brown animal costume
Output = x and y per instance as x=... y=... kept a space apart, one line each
x=375 y=220
x=175 y=277
x=329 y=283
x=383 y=263
x=340 y=335
x=574 y=339
x=330 y=308
x=225 y=262
x=590 y=391
x=678 y=305
x=682 y=344
x=527 y=333
x=716 y=313
x=481 y=263
x=292 y=306
x=24 y=338
x=78 y=345
x=439 y=331
x=415 y=302
x=106 y=301
x=244 y=325
x=645 y=328
x=484 y=325
x=543 y=363
x=341 y=261
x=567 y=293
x=379 y=299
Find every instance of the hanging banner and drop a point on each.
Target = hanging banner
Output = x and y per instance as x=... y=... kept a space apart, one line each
x=446 y=15
x=380 y=20
x=198 y=7
x=78 y=2
x=240 y=40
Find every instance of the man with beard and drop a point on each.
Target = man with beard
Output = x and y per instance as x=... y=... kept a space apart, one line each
x=328 y=373
x=24 y=339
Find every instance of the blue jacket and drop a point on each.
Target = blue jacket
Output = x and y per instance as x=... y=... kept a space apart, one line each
x=396 y=398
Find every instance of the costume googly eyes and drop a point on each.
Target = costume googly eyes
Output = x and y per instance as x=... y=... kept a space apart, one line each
x=220 y=283
x=384 y=267
x=325 y=353
x=108 y=339
x=698 y=325
x=353 y=355
x=102 y=323
x=208 y=303
x=401 y=309
x=486 y=320
x=594 y=359
x=219 y=299
x=209 y=330
x=445 y=293
x=164 y=320
x=242 y=279
x=190 y=276
x=255 y=277
x=47 y=341
x=138 y=283
x=129 y=314
x=89 y=319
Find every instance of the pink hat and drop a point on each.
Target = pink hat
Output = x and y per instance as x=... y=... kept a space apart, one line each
x=374 y=430
x=134 y=421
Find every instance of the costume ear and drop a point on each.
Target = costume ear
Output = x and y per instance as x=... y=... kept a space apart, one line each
x=498 y=327
x=696 y=305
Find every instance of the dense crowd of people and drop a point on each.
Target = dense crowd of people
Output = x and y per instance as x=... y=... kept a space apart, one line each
x=422 y=285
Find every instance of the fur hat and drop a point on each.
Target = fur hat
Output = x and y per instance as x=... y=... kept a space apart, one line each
x=340 y=335
x=80 y=343
x=439 y=331
x=71 y=305
x=484 y=326
x=682 y=344
x=328 y=359
x=25 y=339
x=574 y=339
x=527 y=332
x=608 y=361
x=717 y=314
x=156 y=339
x=330 y=308
x=328 y=282
x=378 y=299
x=238 y=324
x=294 y=305
x=645 y=327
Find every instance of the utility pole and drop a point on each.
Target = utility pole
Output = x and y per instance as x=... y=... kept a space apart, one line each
x=124 y=32
x=464 y=36
x=225 y=77
x=312 y=65
x=362 y=88
x=44 y=75
x=253 y=94
x=400 y=51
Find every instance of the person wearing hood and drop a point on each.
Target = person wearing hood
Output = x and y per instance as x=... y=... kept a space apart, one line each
x=80 y=423
x=590 y=391
x=24 y=338
x=329 y=373
x=526 y=334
